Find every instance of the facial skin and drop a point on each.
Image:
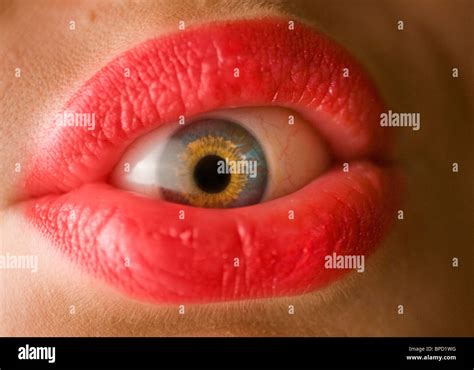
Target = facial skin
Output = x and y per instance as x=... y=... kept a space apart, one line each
x=413 y=268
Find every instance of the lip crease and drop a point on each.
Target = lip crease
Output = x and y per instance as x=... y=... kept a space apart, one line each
x=141 y=246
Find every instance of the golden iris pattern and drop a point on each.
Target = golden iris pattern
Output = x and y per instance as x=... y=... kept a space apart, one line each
x=213 y=163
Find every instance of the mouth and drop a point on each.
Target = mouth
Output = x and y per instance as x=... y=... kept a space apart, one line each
x=142 y=247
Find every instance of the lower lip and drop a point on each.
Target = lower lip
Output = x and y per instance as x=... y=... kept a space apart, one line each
x=169 y=253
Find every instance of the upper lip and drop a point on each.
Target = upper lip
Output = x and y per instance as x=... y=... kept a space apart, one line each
x=189 y=73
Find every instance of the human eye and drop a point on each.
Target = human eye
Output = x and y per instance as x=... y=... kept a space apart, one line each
x=131 y=197
x=225 y=159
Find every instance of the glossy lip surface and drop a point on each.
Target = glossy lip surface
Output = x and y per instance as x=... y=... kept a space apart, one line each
x=173 y=260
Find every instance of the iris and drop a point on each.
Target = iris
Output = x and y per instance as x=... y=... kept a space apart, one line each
x=190 y=169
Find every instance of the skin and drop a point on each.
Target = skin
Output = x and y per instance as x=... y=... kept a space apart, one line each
x=412 y=68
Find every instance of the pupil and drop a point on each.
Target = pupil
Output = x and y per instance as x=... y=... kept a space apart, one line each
x=206 y=176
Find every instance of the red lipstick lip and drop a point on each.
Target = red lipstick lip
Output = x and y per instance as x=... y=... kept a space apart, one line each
x=140 y=245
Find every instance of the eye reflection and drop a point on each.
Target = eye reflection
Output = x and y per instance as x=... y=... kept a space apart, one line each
x=212 y=163
x=225 y=158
